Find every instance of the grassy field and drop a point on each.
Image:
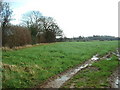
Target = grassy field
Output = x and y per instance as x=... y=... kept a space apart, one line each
x=28 y=67
x=95 y=76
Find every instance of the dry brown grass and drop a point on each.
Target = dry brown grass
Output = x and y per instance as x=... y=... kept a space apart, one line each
x=25 y=46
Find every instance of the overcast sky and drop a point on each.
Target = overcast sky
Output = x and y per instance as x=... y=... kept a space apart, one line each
x=75 y=17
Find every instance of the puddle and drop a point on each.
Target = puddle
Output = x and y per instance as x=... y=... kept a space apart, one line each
x=117 y=54
x=95 y=58
x=116 y=82
x=108 y=59
x=115 y=79
x=60 y=80
x=57 y=83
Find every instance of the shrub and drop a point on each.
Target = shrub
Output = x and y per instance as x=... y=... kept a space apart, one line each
x=16 y=36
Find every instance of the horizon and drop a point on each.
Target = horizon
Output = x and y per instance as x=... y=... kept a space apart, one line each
x=75 y=18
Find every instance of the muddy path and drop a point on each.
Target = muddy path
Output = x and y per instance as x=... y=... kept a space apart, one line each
x=114 y=79
x=59 y=80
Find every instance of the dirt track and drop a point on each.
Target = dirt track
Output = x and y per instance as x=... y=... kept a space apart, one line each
x=58 y=81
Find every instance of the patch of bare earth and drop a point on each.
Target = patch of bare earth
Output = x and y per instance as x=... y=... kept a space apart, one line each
x=114 y=79
x=73 y=83
x=60 y=79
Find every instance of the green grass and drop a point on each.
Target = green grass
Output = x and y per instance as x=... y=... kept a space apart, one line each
x=97 y=78
x=36 y=64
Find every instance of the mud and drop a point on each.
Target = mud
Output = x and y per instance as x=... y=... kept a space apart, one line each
x=59 y=81
x=117 y=53
x=114 y=79
x=72 y=83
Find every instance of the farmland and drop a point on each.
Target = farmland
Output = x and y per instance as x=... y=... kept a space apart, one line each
x=28 y=67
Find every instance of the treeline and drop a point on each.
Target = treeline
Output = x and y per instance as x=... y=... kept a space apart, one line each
x=89 y=38
x=34 y=28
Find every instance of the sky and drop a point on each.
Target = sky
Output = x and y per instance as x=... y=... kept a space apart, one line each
x=74 y=17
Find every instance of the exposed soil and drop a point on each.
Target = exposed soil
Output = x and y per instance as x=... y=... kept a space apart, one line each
x=60 y=79
x=114 y=79
x=72 y=84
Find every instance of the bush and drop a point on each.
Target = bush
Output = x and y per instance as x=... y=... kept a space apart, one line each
x=16 y=36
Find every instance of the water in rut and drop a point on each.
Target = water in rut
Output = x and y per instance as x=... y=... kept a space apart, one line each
x=59 y=81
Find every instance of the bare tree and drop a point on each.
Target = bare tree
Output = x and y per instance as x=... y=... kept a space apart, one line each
x=43 y=27
x=1 y=6
x=30 y=20
x=5 y=18
x=5 y=14
x=50 y=28
x=0 y=25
